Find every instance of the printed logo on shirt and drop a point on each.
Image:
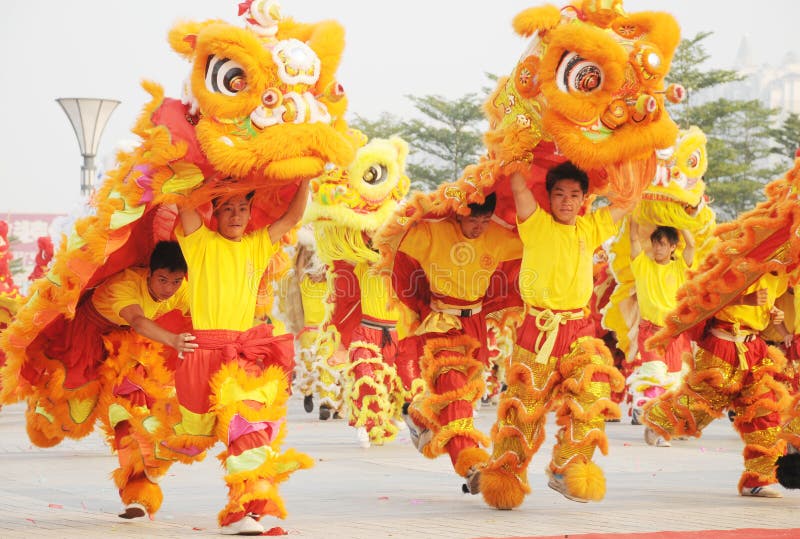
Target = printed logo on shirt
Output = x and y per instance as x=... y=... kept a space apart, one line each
x=462 y=254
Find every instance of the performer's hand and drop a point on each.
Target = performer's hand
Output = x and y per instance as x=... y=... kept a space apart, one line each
x=776 y=315
x=184 y=344
x=787 y=341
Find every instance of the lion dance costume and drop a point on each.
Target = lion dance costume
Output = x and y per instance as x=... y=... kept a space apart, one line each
x=261 y=106
x=589 y=88
x=733 y=366
x=675 y=198
x=347 y=207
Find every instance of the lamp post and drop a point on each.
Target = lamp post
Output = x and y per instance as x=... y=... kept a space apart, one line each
x=88 y=117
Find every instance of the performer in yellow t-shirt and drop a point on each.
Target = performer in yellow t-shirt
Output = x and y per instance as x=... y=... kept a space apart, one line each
x=657 y=277
x=120 y=379
x=733 y=368
x=234 y=387
x=557 y=356
x=458 y=257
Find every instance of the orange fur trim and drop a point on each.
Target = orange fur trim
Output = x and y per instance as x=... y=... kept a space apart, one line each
x=502 y=489
x=142 y=491
x=472 y=457
x=585 y=480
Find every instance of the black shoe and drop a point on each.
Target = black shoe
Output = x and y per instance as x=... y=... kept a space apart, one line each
x=324 y=412
x=308 y=403
x=731 y=415
x=336 y=415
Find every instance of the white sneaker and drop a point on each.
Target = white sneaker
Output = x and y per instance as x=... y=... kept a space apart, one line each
x=760 y=492
x=654 y=439
x=246 y=526
x=363 y=437
x=420 y=436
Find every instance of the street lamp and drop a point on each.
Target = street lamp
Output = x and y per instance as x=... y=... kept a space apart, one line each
x=88 y=117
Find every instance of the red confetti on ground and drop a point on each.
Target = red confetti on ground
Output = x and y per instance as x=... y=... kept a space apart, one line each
x=277 y=530
x=197 y=529
x=383 y=497
x=55 y=505
x=31 y=520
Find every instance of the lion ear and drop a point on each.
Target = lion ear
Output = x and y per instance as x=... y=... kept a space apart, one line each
x=183 y=37
x=401 y=147
x=536 y=18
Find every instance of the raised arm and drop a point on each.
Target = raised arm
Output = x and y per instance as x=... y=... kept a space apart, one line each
x=524 y=200
x=688 y=251
x=182 y=342
x=293 y=213
x=636 y=245
x=190 y=220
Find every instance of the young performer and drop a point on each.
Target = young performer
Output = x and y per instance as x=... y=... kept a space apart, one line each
x=458 y=257
x=235 y=385
x=557 y=357
x=733 y=368
x=657 y=277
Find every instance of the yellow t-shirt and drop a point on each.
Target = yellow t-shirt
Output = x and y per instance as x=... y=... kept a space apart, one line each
x=556 y=270
x=456 y=266
x=129 y=287
x=657 y=285
x=224 y=276
x=374 y=293
x=313 y=296
x=755 y=317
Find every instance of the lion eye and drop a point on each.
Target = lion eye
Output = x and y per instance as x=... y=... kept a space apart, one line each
x=576 y=74
x=694 y=159
x=375 y=174
x=224 y=76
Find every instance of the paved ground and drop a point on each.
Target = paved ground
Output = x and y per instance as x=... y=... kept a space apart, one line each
x=389 y=491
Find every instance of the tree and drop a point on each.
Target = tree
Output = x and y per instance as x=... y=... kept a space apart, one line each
x=787 y=137
x=740 y=145
x=449 y=138
x=684 y=70
x=443 y=142
x=385 y=126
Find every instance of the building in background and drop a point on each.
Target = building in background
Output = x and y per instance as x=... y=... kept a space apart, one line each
x=775 y=86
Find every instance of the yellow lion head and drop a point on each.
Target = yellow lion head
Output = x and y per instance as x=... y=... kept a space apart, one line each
x=264 y=98
x=348 y=203
x=676 y=196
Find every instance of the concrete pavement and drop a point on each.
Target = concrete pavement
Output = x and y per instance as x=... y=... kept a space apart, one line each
x=389 y=491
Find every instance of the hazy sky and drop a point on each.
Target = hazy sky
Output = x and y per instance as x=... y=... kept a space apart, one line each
x=104 y=48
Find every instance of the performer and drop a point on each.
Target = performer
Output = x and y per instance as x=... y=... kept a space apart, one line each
x=235 y=385
x=557 y=356
x=138 y=384
x=657 y=276
x=317 y=341
x=733 y=368
x=374 y=392
x=347 y=207
x=64 y=359
x=458 y=257
x=84 y=368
